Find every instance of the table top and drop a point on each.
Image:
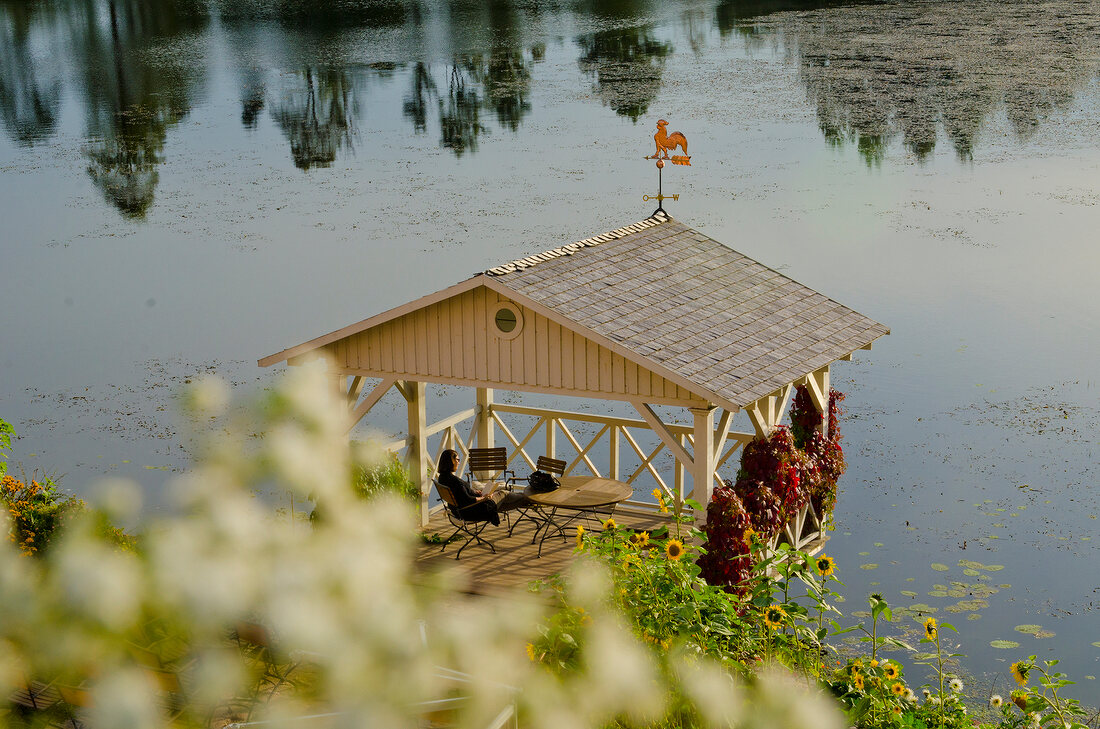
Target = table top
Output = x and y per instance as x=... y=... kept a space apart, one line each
x=583 y=492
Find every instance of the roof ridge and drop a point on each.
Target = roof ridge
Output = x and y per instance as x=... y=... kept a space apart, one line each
x=567 y=250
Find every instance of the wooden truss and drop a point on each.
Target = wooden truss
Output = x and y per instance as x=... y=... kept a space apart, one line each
x=633 y=450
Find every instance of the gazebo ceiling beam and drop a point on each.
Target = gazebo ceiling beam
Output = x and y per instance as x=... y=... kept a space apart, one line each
x=666 y=436
x=371 y=400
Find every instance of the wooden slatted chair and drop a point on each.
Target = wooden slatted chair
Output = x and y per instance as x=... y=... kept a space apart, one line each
x=488 y=466
x=553 y=466
x=461 y=521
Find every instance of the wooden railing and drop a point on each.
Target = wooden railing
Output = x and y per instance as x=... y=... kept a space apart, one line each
x=459 y=431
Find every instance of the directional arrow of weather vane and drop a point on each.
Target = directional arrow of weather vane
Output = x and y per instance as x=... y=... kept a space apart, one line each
x=666 y=145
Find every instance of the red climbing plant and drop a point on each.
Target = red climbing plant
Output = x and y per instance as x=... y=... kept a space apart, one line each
x=779 y=474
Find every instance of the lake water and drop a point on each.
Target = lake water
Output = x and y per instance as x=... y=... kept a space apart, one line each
x=186 y=187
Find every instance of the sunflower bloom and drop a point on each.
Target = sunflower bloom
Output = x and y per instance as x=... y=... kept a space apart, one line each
x=674 y=550
x=1019 y=672
x=930 y=630
x=609 y=525
x=896 y=709
x=890 y=670
x=640 y=539
x=774 y=616
x=897 y=688
x=825 y=565
x=580 y=537
x=531 y=652
x=857 y=681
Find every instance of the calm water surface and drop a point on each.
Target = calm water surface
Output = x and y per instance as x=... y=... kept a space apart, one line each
x=188 y=186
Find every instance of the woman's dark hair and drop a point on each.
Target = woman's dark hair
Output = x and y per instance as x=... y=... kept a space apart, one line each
x=446 y=461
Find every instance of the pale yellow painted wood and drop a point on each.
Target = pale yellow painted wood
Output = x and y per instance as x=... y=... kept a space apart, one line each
x=416 y=458
x=479 y=324
x=553 y=352
x=702 y=469
x=485 y=429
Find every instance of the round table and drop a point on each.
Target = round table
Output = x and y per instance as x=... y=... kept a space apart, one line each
x=578 y=494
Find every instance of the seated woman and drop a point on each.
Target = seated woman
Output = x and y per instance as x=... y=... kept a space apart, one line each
x=465 y=495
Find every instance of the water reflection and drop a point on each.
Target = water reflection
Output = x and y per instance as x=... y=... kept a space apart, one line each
x=30 y=86
x=879 y=72
x=316 y=115
x=626 y=65
x=876 y=73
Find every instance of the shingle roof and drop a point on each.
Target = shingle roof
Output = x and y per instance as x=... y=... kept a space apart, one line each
x=670 y=294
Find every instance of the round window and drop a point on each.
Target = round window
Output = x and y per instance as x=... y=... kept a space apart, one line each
x=507 y=319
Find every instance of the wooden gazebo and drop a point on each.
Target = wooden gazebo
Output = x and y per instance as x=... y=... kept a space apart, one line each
x=654 y=314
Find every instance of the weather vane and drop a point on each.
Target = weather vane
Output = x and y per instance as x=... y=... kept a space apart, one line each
x=667 y=143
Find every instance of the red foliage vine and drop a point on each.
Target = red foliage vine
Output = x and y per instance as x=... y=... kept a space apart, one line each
x=778 y=475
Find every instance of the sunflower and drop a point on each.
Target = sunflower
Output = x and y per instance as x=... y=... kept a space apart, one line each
x=1019 y=672
x=749 y=534
x=956 y=685
x=774 y=616
x=659 y=495
x=825 y=565
x=674 y=550
x=995 y=701
x=639 y=539
x=609 y=525
x=857 y=681
x=930 y=629
x=897 y=688
x=531 y=652
x=896 y=709
x=1019 y=698
x=580 y=536
x=874 y=663
x=890 y=670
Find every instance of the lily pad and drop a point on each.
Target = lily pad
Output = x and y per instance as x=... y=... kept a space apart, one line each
x=864 y=554
x=1028 y=628
x=879 y=544
x=1045 y=634
x=971 y=573
x=861 y=614
x=937 y=593
x=920 y=607
x=869 y=566
x=940 y=567
x=956 y=593
x=1004 y=644
x=1096 y=644
x=1004 y=585
x=993 y=567
x=908 y=593
x=974 y=616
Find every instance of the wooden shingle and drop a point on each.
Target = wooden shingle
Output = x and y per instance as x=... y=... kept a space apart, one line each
x=729 y=325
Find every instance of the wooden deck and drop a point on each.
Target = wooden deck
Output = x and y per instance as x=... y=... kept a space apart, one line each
x=516 y=562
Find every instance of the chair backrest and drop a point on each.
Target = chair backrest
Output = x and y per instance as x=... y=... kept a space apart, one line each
x=550 y=465
x=446 y=494
x=488 y=463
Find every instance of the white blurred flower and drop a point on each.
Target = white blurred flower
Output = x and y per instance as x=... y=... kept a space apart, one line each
x=714 y=691
x=120 y=499
x=207 y=396
x=956 y=685
x=98 y=581
x=996 y=701
x=125 y=699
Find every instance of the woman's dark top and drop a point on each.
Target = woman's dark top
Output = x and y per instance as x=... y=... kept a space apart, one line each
x=464 y=496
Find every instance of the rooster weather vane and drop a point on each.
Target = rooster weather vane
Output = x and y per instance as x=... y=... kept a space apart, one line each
x=666 y=146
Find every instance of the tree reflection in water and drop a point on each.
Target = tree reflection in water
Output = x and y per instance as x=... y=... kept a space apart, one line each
x=30 y=85
x=627 y=65
x=317 y=116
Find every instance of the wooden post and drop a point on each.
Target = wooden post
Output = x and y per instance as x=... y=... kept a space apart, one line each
x=485 y=429
x=613 y=453
x=551 y=437
x=702 y=470
x=416 y=459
